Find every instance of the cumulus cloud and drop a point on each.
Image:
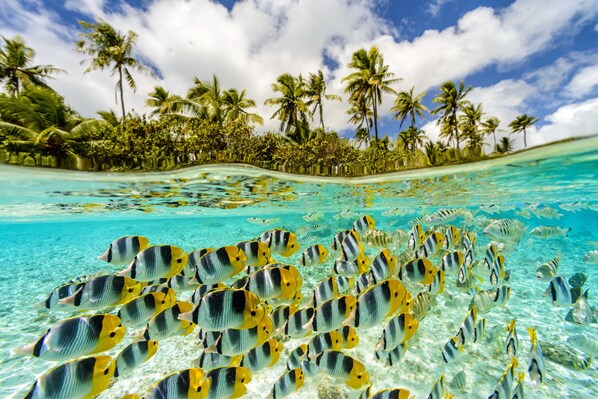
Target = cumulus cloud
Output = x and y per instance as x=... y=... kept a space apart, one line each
x=572 y=120
x=583 y=83
x=255 y=41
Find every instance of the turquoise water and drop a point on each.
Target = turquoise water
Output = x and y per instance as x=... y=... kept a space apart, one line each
x=54 y=225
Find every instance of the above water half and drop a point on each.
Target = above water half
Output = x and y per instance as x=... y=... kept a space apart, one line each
x=55 y=224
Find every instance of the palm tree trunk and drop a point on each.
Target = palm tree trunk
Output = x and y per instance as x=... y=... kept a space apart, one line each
x=322 y=116
x=494 y=135
x=524 y=138
x=122 y=96
x=375 y=117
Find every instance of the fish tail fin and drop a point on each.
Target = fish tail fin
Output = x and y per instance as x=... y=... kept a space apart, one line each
x=25 y=349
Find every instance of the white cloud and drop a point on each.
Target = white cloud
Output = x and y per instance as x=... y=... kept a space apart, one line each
x=433 y=7
x=583 y=83
x=572 y=120
x=257 y=40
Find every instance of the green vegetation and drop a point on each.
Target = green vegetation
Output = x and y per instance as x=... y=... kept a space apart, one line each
x=211 y=124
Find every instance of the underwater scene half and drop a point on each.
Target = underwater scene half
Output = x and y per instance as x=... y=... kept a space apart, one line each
x=469 y=281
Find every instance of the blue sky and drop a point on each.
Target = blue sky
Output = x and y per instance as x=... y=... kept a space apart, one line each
x=526 y=56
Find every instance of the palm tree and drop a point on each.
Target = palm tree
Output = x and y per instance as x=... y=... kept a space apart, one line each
x=490 y=126
x=315 y=92
x=109 y=117
x=163 y=102
x=109 y=48
x=469 y=122
x=291 y=108
x=412 y=138
x=434 y=151
x=504 y=146
x=234 y=104
x=360 y=115
x=370 y=79
x=451 y=99
x=408 y=106
x=15 y=60
x=210 y=96
x=521 y=123
x=38 y=115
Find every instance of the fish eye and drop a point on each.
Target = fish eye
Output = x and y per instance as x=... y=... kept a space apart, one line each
x=120 y=325
x=112 y=334
x=106 y=372
x=396 y=294
x=199 y=389
x=179 y=260
x=288 y=284
x=130 y=289
x=242 y=380
x=359 y=376
x=253 y=313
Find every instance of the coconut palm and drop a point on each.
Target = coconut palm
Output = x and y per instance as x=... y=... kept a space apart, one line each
x=505 y=145
x=315 y=93
x=39 y=115
x=435 y=150
x=408 y=106
x=234 y=107
x=15 y=60
x=490 y=126
x=521 y=123
x=292 y=110
x=108 y=48
x=163 y=102
x=451 y=100
x=412 y=138
x=370 y=79
x=469 y=122
x=208 y=95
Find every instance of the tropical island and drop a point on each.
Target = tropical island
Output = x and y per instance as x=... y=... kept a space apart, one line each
x=211 y=124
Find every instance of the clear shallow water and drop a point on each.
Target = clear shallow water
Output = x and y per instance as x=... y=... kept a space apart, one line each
x=53 y=225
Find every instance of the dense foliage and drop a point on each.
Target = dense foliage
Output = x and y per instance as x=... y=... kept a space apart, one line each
x=212 y=124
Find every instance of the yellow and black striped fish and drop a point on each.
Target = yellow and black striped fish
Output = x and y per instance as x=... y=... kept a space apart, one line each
x=287 y=383
x=257 y=252
x=123 y=250
x=313 y=255
x=281 y=242
x=167 y=324
x=331 y=314
x=343 y=367
x=159 y=261
x=133 y=355
x=139 y=310
x=103 y=291
x=265 y=355
x=220 y=264
x=189 y=383
x=364 y=224
x=228 y=382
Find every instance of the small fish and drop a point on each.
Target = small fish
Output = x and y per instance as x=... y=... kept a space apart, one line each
x=180 y=282
x=234 y=342
x=416 y=236
x=497 y=270
x=351 y=268
x=431 y=245
x=349 y=336
x=133 y=355
x=299 y=323
x=545 y=211
x=139 y=310
x=281 y=242
x=235 y=309
x=502 y=295
x=519 y=393
x=467 y=281
x=58 y=293
x=491 y=255
x=479 y=330
x=78 y=379
x=203 y=289
x=324 y=291
x=383 y=265
x=193 y=260
x=452 y=261
x=343 y=367
x=312 y=216
x=103 y=291
x=393 y=357
x=438 y=390
x=443 y=216
x=263 y=222
x=578 y=280
x=574 y=206
x=158 y=261
x=377 y=238
x=351 y=247
x=220 y=264
x=396 y=393
x=581 y=313
x=466 y=331
x=265 y=355
x=418 y=270
x=459 y=381
x=451 y=350
x=505 y=230
x=364 y=224
x=421 y=304
x=331 y=314
x=313 y=255
x=584 y=343
x=379 y=302
x=504 y=386
x=469 y=241
x=591 y=257
x=228 y=382
x=297 y=356
x=287 y=383
x=189 y=383
x=324 y=341
x=123 y=250
x=549 y=269
x=77 y=336
x=398 y=330
x=437 y=286
x=167 y=324
x=559 y=292
x=256 y=252
x=273 y=282
x=345 y=214
x=550 y=231
x=338 y=239
x=212 y=360
x=512 y=342
x=536 y=369
x=452 y=236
